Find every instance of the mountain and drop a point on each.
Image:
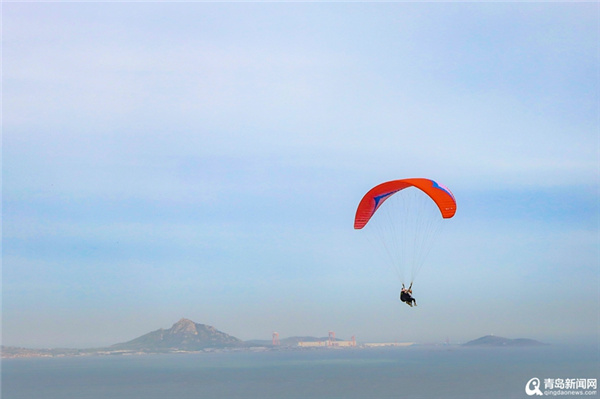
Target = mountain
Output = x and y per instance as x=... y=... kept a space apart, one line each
x=184 y=335
x=492 y=340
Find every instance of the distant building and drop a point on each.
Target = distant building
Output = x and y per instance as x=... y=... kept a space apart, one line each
x=313 y=344
x=345 y=344
x=330 y=343
x=384 y=344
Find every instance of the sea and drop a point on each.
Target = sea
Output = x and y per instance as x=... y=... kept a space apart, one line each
x=416 y=372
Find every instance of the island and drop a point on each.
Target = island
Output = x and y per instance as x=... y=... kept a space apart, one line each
x=494 y=341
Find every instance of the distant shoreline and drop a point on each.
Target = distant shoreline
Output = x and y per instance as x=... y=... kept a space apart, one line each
x=27 y=353
x=24 y=353
x=186 y=336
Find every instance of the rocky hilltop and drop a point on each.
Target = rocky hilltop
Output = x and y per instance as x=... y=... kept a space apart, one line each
x=492 y=340
x=184 y=335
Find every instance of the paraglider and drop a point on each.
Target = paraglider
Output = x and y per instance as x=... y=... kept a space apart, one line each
x=406 y=296
x=408 y=224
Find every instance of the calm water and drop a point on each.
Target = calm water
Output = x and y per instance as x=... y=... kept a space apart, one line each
x=417 y=372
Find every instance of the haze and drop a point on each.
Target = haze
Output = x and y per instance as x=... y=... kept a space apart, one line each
x=205 y=160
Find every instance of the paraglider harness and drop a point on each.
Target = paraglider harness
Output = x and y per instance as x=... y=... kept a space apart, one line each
x=406 y=296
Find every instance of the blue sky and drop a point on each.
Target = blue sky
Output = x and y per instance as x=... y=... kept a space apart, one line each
x=205 y=160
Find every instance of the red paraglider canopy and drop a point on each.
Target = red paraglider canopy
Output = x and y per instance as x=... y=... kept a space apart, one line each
x=372 y=200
